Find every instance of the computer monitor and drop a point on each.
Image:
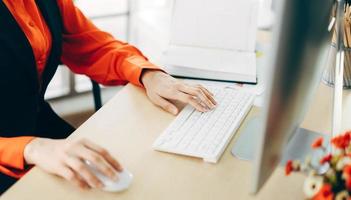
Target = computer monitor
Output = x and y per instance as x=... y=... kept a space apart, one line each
x=300 y=46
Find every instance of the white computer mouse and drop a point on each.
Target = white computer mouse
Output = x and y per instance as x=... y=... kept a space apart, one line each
x=122 y=183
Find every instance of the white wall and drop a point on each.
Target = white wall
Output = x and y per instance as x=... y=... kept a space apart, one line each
x=150 y=23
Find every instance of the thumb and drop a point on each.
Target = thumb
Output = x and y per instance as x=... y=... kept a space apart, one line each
x=165 y=105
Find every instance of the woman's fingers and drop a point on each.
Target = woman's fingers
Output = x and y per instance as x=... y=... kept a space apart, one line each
x=209 y=94
x=186 y=98
x=207 y=91
x=98 y=161
x=104 y=153
x=164 y=104
x=73 y=177
x=199 y=92
x=84 y=151
x=79 y=167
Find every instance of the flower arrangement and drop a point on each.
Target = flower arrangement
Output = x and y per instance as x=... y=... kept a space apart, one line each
x=336 y=182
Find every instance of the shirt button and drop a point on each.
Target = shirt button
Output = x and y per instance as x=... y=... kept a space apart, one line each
x=31 y=24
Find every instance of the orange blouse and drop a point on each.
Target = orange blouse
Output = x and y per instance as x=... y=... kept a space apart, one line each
x=86 y=50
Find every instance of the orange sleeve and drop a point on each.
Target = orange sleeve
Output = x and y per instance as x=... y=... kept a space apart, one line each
x=11 y=155
x=90 y=51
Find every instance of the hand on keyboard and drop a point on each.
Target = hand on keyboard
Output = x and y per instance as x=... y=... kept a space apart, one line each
x=161 y=87
x=206 y=135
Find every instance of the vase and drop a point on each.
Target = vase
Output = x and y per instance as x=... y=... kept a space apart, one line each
x=329 y=73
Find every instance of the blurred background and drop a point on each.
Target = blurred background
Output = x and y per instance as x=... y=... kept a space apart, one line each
x=143 y=23
x=139 y=22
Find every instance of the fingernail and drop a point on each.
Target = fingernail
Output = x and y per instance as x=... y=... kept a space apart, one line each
x=174 y=111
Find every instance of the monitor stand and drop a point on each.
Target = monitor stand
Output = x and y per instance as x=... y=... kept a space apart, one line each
x=298 y=147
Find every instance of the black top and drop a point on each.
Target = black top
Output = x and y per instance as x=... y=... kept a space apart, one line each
x=22 y=105
x=23 y=110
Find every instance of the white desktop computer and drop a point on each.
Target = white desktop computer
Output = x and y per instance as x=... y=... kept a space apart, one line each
x=300 y=46
x=296 y=62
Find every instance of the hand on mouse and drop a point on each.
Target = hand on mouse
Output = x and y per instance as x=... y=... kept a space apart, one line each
x=65 y=158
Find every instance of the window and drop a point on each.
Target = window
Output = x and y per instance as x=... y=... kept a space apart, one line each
x=111 y=16
x=59 y=85
x=150 y=23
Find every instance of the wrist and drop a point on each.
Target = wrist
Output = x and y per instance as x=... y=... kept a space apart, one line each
x=30 y=151
x=148 y=75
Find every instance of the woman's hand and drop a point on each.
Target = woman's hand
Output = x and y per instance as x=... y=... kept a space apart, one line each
x=161 y=87
x=66 y=159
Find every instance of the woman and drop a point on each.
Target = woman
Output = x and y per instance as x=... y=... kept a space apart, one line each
x=35 y=36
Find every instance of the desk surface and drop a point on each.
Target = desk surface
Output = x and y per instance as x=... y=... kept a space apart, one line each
x=127 y=126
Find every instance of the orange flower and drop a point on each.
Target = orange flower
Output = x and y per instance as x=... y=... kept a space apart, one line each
x=348 y=183
x=347 y=175
x=317 y=143
x=347 y=172
x=326 y=159
x=325 y=193
x=341 y=141
x=289 y=167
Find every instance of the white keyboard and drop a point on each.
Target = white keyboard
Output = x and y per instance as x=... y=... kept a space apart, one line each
x=206 y=135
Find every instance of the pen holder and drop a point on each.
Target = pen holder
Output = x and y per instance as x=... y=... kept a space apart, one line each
x=329 y=73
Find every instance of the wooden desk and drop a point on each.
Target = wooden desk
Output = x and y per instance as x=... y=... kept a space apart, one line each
x=127 y=126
